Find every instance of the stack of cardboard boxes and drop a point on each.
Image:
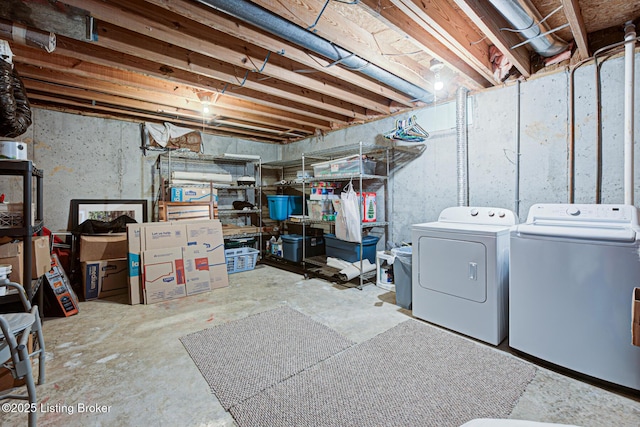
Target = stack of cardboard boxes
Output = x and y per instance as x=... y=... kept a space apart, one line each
x=168 y=260
x=12 y=253
x=103 y=261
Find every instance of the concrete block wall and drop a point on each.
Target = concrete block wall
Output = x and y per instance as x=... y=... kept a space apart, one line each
x=428 y=184
x=86 y=157
x=92 y=158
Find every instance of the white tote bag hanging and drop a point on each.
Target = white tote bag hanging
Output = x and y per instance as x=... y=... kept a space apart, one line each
x=348 y=222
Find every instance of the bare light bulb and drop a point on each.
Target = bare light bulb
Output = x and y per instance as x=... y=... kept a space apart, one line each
x=438 y=85
x=205 y=109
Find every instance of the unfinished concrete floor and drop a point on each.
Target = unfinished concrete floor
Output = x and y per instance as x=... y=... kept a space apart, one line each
x=129 y=360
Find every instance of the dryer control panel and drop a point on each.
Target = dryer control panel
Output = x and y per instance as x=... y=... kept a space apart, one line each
x=478 y=215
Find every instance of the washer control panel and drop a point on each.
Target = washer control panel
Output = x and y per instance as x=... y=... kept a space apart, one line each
x=609 y=213
x=478 y=215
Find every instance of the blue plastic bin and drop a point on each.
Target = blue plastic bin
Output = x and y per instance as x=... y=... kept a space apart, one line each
x=402 y=271
x=350 y=251
x=295 y=205
x=292 y=243
x=279 y=207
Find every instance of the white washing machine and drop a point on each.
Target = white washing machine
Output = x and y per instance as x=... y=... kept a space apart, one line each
x=572 y=273
x=460 y=271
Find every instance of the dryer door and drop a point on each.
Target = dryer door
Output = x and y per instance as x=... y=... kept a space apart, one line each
x=454 y=267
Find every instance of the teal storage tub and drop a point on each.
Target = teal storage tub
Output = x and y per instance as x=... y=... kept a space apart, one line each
x=295 y=205
x=279 y=207
x=350 y=251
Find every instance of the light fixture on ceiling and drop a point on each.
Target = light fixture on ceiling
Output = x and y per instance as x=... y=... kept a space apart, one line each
x=205 y=99
x=436 y=66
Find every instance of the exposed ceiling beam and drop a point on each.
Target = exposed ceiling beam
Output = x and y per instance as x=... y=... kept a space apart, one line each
x=451 y=29
x=116 y=111
x=576 y=23
x=206 y=16
x=105 y=56
x=208 y=55
x=100 y=73
x=489 y=20
x=159 y=97
x=422 y=39
x=335 y=28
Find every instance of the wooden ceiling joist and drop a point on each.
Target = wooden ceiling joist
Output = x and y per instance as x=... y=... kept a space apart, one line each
x=422 y=39
x=485 y=17
x=207 y=16
x=574 y=16
x=212 y=48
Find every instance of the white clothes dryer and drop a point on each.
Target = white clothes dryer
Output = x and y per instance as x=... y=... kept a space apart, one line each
x=573 y=269
x=460 y=271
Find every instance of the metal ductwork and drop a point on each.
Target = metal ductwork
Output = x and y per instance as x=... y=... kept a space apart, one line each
x=267 y=21
x=545 y=45
x=462 y=158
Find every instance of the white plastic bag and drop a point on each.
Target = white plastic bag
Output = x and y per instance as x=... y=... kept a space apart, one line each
x=348 y=222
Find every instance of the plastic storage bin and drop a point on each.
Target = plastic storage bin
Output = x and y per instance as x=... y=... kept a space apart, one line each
x=402 y=275
x=292 y=249
x=295 y=205
x=241 y=259
x=279 y=207
x=246 y=242
x=350 y=251
x=345 y=165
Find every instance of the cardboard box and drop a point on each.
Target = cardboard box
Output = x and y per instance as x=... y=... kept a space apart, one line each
x=136 y=244
x=104 y=278
x=134 y=249
x=178 y=211
x=41 y=261
x=209 y=234
x=163 y=274
x=635 y=317
x=196 y=269
x=60 y=289
x=194 y=194
x=165 y=235
x=12 y=253
x=103 y=246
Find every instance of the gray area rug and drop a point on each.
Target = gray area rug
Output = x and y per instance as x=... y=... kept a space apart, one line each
x=241 y=358
x=411 y=375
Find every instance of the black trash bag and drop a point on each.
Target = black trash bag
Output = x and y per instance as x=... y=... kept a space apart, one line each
x=92 y=226
x=15 y=111
x=241 y=204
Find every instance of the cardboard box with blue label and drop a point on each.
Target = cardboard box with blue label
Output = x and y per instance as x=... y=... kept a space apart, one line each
x=104 y=278
x=209 y=234
x=207 y=240
x=194 y=194
x=163 y=274
x=196 y=269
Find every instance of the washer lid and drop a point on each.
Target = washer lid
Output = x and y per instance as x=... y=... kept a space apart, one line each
x=614 y=223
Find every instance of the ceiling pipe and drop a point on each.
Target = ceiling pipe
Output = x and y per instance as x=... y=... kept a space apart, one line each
x=546 y=45
x=27 y=36
x=629 y=65
x=267 y=21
